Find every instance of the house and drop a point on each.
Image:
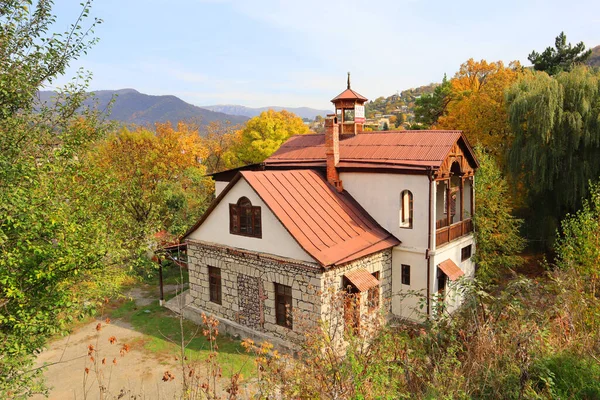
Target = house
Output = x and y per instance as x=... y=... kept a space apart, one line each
x=385 y=215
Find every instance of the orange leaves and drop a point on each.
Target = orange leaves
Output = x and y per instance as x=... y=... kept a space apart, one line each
x=112 y=340
x=477 y=102
x=124 y=349
x=168 y=376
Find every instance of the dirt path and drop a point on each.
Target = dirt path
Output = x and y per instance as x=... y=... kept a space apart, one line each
x=137 y=374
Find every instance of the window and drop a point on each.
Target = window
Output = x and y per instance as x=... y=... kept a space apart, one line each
x=244 y=219
x=465 y=253
x=214 y=284
x=405 y=274
x=406 y=209
x=373 y=294
x=283 y=305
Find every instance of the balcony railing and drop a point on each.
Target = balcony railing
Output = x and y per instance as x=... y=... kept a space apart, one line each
x=447 y=234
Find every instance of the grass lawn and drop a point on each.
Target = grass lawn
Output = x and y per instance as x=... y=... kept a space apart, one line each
x=163 y=330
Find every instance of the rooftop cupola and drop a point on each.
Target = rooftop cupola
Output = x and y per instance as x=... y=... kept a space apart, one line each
x=350 y=110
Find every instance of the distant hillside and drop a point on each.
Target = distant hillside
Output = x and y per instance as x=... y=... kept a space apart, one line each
x=594 y=59
x=302 y=112
x=133 y=107
x=399 y=103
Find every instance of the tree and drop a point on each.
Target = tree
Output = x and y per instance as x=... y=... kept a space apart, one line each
x=578 y=245
x=496 y=230
x=263 y=134
x=477 y=105
x=430 y=107
x=218 y=140
x=556 y=144
x=386 y=127
x=563 y=57
x=159 y=175
x=57 y=219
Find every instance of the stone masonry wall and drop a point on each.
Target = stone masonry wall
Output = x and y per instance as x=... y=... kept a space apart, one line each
x=248 y=291
x=332 y=311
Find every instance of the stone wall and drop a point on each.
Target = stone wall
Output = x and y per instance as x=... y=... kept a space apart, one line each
x=332 y=308
x=248 y=290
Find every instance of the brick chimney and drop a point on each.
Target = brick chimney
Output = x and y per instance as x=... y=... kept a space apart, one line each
x=332 y=152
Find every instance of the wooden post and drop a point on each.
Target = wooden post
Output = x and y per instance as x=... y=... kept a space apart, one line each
x=462 y=204
x=160 y=277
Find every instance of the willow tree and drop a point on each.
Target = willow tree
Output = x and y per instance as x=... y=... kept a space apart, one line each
x=556 y=146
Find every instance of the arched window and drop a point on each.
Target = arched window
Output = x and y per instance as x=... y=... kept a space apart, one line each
x=244 y=219
x=406 y=209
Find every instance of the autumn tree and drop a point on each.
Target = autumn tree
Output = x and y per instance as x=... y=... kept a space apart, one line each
x=563 y=57
x=477 y=105
x=159 y=174
x=556 y=144
x=430 y=107
x=263 y=134
x=219 y=139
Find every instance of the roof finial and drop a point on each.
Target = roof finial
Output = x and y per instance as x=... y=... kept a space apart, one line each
x=348 y=80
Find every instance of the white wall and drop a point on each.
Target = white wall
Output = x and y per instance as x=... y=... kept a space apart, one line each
x=275 y=238
x=452 y=251
x=379 y=195
x=406 y=298
x=219 y=186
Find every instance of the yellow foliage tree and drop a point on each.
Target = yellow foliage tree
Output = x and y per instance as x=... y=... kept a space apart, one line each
x=219 y=140
x=159 y=174
x=263 y=134
x=477 y=105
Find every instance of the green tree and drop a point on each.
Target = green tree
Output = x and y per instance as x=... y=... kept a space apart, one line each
x=496 y=229
x=386 y=127
x=58 y=225
x=263 y=134
x=578 y=245
x=430 y=107
x=556 y=144
x=563 y=57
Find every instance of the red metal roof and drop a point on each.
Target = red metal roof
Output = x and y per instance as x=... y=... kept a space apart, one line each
x=349 y=94
x=451 y=269
x=361 y=279
x=408 y=149
x=330 y=226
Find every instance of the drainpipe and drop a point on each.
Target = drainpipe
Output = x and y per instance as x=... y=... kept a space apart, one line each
x=427 y=253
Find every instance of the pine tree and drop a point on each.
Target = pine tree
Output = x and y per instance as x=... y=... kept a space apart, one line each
x=561 y=58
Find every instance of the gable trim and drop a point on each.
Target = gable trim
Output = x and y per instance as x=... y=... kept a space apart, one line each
x=212 y=206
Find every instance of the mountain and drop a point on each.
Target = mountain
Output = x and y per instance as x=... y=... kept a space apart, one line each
x=133 y=107
x=594 y=59
x=302 y=112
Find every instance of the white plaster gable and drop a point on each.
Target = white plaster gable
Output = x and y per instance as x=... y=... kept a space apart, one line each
x=275 y=239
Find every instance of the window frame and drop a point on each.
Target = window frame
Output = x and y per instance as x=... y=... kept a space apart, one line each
x=283 y=298
x=406 y=215
x=215 y=292
x=463 y=251
x=243 y=210
x=405 y=274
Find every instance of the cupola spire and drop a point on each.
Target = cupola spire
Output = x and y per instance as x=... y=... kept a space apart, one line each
x=348 y=80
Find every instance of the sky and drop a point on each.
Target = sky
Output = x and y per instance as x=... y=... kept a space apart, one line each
x=297 y=53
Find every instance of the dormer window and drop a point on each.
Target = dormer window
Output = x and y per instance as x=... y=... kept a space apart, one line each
x=406 y=209
x=244 y=219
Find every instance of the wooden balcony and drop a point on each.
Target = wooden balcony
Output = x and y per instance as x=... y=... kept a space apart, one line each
x=445 y=234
